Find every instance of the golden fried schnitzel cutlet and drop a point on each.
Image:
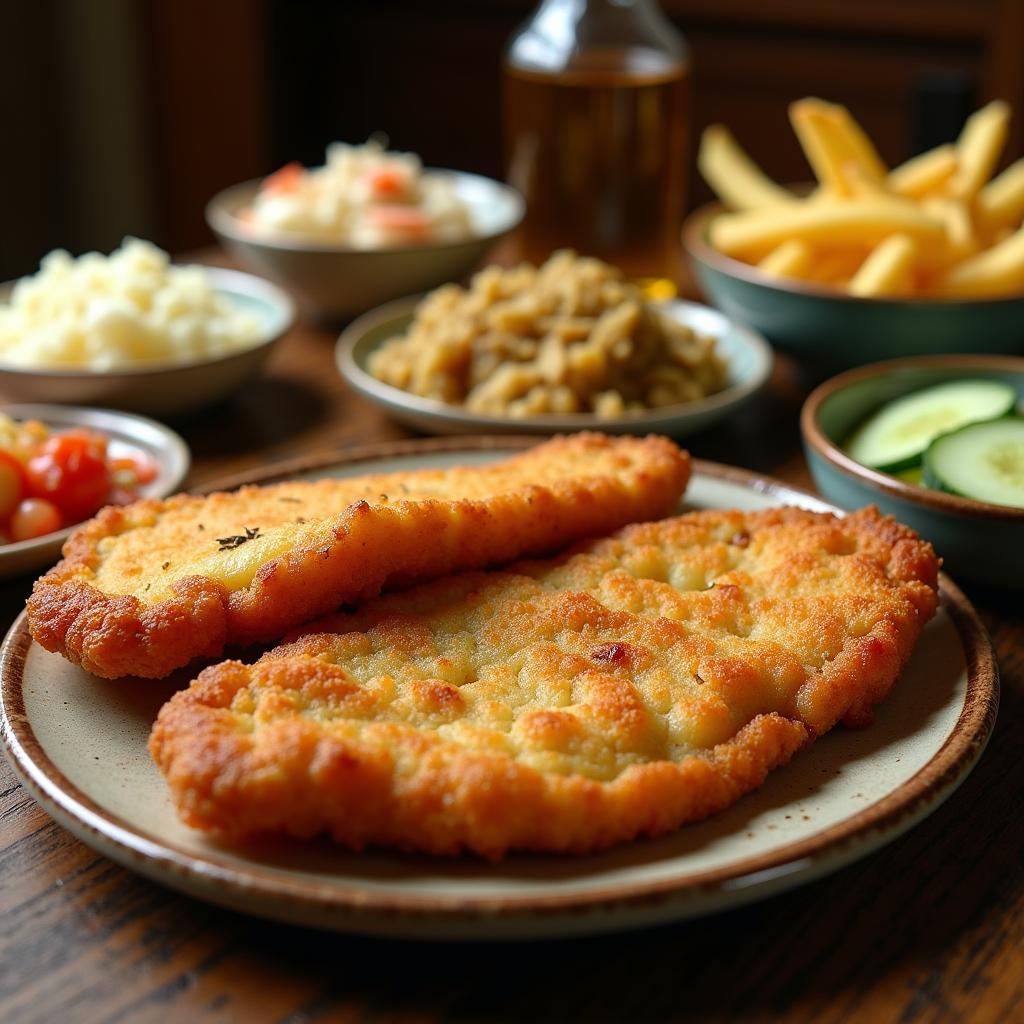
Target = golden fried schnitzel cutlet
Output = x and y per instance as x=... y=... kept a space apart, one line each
x=647 y=680
x=145 y=589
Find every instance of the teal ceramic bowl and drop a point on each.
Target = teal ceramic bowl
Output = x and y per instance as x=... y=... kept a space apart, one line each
x=826 y=328
x=976 y=540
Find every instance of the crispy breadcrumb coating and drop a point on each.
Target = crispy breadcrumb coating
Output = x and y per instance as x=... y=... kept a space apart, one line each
x=144 y=589
x=646 y=680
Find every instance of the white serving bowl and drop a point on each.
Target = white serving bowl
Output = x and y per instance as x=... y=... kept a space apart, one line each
x=337 y=282
x=749 y=367
x=173 y=388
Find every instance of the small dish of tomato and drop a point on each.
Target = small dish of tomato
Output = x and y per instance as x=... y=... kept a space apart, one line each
x=60 y=465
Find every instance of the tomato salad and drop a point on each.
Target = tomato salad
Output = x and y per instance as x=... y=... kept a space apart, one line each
x=53 y=479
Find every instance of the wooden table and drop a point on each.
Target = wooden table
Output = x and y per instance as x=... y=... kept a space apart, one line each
x=930 y=928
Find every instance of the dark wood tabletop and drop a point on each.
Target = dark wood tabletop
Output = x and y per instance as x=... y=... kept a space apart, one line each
x=929 y=928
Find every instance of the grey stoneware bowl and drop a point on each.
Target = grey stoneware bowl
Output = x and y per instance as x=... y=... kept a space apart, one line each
x=337 y=282
x=825 y=328
x=977 y=541
x=749 y=359
x=167 y=389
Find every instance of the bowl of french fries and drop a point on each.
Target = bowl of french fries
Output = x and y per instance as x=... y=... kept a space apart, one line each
x=869 y=262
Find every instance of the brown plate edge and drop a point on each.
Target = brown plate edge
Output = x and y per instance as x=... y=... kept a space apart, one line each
x=887 y=817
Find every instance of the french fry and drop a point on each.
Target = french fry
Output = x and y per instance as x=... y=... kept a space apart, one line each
x=861 y=183
x=888 y=270
x=855 y=221
x=837 y=266
x=854 y=140
x=791 y=259
x=961 y=238
x=818 y=143
x=1000 y=204
x=978 y=149
x=736 y=179
x=996 y=271
x=924 y=173
x=840 y=154
x=930 y=226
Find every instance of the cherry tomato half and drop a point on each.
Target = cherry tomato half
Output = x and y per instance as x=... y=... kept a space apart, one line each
x=34 y=517
x=12 y=483
x=121 y=496
x=70 y=471
x=139 y=467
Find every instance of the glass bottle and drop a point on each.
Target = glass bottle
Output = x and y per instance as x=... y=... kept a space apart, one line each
x=596 y=103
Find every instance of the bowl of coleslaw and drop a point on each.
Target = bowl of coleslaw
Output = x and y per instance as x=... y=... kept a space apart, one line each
x=366 y=227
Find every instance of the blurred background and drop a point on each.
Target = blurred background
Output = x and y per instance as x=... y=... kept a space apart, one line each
x=126 y=116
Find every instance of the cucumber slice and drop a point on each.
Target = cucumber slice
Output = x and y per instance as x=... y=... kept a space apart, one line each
x=983 y=461
x=896 y=436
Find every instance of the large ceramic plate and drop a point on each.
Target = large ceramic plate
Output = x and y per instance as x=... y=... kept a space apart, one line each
x=749 y=365
x=127 y=433
x=79 y=744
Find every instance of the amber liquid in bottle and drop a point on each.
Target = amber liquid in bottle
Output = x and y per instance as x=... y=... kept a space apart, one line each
x=599 y=152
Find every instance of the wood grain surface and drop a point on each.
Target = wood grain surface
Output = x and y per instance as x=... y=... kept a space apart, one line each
x=928 y=929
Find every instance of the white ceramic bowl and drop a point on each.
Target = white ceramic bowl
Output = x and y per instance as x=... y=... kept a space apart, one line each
x=749 y=365
x=167 y=389
x=168 y=451
x=337 y=282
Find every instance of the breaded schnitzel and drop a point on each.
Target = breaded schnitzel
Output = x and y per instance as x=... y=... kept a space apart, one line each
x=145 y=589
x=646 y=680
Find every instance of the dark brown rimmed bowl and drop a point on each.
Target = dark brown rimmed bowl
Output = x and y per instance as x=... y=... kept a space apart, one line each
x=825 y=327
x=976 y=540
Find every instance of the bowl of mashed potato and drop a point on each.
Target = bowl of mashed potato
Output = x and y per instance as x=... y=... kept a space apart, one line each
x=133 y=331
x=368 y=226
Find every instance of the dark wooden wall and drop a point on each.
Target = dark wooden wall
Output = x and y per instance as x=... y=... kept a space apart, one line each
x=33 y=171
x=429 y=73
x=233 y=88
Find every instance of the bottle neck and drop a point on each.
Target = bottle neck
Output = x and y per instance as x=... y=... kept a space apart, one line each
x=566 y=34
x=577 y=8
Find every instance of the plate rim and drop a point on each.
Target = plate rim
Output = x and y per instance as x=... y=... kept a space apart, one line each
x=404 y=403
x=885 y=818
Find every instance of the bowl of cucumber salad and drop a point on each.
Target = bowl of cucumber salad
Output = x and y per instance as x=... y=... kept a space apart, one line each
x=938 y=442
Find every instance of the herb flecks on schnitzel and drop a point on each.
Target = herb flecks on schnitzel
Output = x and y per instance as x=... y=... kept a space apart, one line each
x=310 y=547
x=646 y=680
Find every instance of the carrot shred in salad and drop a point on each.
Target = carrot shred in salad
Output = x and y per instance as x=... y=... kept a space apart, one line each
x=363 y=196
